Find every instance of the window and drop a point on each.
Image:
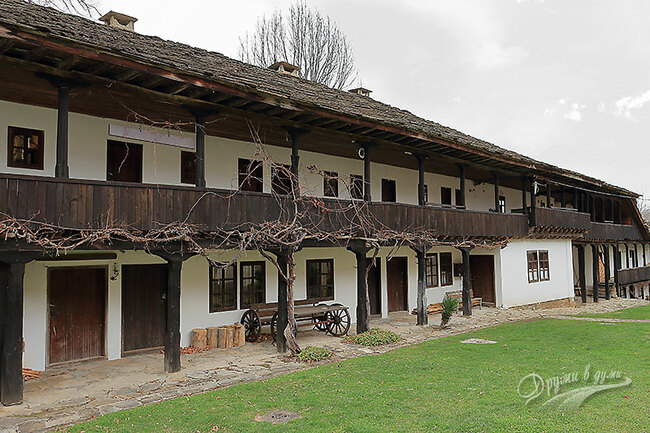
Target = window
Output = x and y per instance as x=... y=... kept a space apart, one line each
x=320 y=279
x=281 y=179
x=388 y=191
x=124 y=162
x=331 y=184
x=250 y=175
x=502 y=204
x=538 y=266
x=544 y=269
x=188 y=167
x=25 y=148
x=445 y=195
x=356 y=186
x=533 y=266
x=252 y=283
x=459 y=199
x=431 y=270
x=223 y=288
x=446 y=271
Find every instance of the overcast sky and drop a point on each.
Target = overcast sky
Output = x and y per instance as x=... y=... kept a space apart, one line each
x=563 y=81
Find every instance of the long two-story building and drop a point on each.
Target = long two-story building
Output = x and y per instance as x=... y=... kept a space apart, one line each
x=132 y=168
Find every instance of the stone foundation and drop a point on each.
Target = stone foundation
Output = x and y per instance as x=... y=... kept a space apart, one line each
x=556 y=303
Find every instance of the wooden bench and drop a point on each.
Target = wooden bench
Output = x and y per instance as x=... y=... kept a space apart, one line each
x=458 y=294
x=333 y=319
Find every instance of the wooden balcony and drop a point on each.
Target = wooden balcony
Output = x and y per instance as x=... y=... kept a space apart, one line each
x=634 y=275
x=559 y=218
x=613 y=232
x=83 y=204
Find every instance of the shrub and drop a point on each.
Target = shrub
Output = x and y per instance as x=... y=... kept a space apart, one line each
x=313 y=354
x=374 y=337
x=449 y=305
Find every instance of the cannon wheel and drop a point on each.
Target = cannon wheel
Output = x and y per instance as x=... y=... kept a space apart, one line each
x=340 y=324
x=274 y=324
x=322 y=327
x=252 y=325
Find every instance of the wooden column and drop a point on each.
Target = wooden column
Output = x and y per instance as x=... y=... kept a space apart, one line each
x=611 y=209
x=172 y=333
x=200 y=152
x=576 y=205
x=294 y=134
x=620 y=212
x=367 y=179
x=594 y=252
x=496 y=191
x=421 y=197
x=548 y=194
x=467 y=281
x=608 y=294
x=11 y=339
x=582 y=277
x=591 y=202
x=422 y=317
x=602 y=210
x=523 y=194
x=62 y=169
x=533 y=204
x=283 y=316
x=617 y=266
x=461 y=170
x=562 y=196
x=360 y=251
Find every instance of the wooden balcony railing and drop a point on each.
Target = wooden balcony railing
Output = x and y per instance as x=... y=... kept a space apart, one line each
x=634 y=275
x=561 y=218
x=79 y=204
x=613 y=232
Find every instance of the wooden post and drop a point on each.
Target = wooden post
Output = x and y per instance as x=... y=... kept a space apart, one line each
x=608 y=294
x=212 y=339
x=581 y=273
x=524 y=191
x=533 y=204
x=461 y=169
x=562 y=196
x=421 y=197
x=495 y=176
x=11 y=350
x=283 y=312
x=548 y=194
x=620 y=212
x=61 y=169
x=617 y=266
x=294 y=133
x=611 y=209
x=199 y=338
x=367 y=180
x=467 y=281
x=594 y=252
x=360 y=250
x=602 y=210
x=173 y=333
x=422 y=316
x=200 y=152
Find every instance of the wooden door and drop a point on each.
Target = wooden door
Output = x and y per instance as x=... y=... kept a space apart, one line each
x=77 y=313
x=482 y=268
x=144 y=308
x=397 y=276
x=374 y=286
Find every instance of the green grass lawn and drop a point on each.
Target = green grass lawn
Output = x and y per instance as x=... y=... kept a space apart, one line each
x=440 y=385
x=636 y=313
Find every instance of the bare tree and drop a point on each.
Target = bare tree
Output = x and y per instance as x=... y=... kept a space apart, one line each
x=79 y=7
x=305 y=38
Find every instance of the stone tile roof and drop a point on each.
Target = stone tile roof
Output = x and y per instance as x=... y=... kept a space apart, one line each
x=152 y=50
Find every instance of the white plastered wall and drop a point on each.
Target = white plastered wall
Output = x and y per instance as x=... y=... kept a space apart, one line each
x=515 y=288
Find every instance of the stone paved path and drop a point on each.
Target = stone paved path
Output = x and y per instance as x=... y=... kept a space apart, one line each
x=72 y=393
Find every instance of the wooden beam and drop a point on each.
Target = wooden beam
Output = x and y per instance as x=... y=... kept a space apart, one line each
x=35 y=53
x=11 y=308
x=68 y=62
x=127 y=75
x=84 y=256
x=62 y=170
x=6 y=45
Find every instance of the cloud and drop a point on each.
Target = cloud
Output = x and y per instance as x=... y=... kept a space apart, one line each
x=493 y=56
x=567 y=109
x=531 y=1
x=626 y=106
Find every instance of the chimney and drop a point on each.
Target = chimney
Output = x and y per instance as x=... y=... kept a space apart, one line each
x=361 y=91
x=119 y=21
x=285 y=68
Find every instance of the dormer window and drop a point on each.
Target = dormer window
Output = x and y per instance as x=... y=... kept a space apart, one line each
x=25 y=148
